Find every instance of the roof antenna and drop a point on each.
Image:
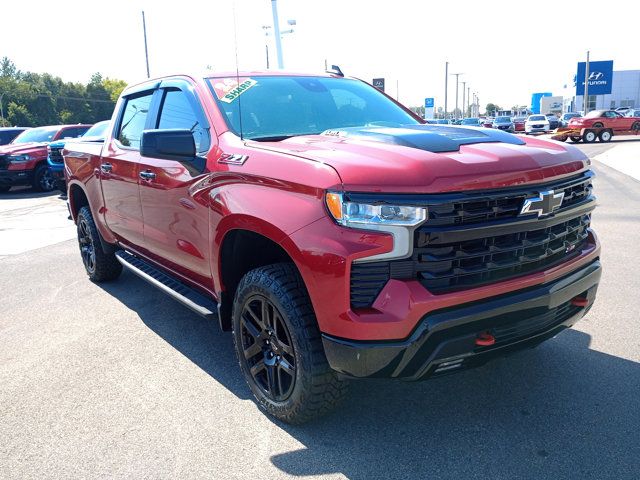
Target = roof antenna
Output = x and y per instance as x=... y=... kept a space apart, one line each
x=235 y=44
x=335 y=70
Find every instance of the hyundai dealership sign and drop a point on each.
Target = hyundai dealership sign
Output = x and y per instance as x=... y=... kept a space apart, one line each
x=600 y=77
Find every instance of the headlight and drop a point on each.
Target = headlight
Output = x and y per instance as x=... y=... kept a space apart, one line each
x=18 y=158
x=397 y=220
x=360 y=215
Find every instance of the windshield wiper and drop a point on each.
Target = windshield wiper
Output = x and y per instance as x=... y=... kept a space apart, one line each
x=272 y=138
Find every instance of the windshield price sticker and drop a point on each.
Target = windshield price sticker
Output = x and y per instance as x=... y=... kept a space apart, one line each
x=228 y=89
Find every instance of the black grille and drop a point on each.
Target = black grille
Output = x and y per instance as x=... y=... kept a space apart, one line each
x=55 y=154
x=477 y=239
x=477 y=208
x=471 y=263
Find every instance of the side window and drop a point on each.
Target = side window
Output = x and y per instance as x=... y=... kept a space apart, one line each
x=134 y=119
x=73 y=132
x=177 y=112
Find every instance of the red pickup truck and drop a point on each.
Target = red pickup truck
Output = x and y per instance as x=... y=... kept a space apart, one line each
x=24 y=160
x=332 y=231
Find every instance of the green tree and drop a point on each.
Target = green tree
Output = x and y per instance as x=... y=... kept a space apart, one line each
x=492 y=108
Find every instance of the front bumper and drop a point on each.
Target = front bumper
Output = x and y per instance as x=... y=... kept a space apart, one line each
x=15 y=178
x=445 y=340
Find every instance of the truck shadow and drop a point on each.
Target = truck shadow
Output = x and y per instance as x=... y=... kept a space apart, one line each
x=27 y=192
x=561 y=410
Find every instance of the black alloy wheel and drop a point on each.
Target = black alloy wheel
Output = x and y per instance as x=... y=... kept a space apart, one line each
x=268 y=348
x=87 y=247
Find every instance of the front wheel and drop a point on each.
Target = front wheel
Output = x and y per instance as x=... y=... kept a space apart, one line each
x=636 y=127
x=100 y=266
x=43 y=181
x=279 y=348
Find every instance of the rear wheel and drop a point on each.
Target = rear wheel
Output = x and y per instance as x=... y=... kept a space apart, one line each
x=100 y=266
x=636 y=126
x=589 y=136
x=575 y=139
x=605 y=136
x=279 y=348
x=43 y=181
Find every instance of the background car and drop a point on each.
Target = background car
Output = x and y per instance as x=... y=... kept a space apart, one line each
x=536 y=123
x=472 y=122
x=554 y=122
x=633 y=112
x=503 y=123
x=55 y=161
x=488 y=122
x=518 y=123
x=7 y=134
x=564 y=119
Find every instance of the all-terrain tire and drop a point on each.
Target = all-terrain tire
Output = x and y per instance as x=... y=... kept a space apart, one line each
x=42 y=179
x=316 y=389
x=100 y=266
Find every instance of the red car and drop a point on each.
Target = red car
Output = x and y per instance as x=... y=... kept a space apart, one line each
x=602 y=124
x=24 y=160
x=518 y=123
x=332 y=231
x=487 y=122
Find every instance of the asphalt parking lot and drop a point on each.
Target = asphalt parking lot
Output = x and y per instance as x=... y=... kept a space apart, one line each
x=118 y=380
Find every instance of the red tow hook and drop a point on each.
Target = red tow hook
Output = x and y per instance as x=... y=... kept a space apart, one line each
x=580 y=301
x=485 y=339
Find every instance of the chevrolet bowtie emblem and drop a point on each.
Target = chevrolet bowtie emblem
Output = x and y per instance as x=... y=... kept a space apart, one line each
x=544 y=204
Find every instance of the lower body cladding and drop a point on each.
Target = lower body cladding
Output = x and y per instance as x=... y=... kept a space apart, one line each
x=456 y=338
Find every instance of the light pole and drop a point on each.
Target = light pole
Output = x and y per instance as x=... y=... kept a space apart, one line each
x=277 y=33
x=585 y=107
x=468 y=99
x=446 y=85
x=457 y=75
x=464 y=91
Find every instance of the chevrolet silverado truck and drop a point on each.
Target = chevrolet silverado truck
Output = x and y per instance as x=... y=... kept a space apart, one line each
x=598 y=125
x=24 y=160
x=334 y=233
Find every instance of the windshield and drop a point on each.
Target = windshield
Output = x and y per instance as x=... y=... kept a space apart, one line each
x=470 y=121
x=98 y=130
x=278 y=107
x=537 y=118
x=41 y=134
x=502 y=120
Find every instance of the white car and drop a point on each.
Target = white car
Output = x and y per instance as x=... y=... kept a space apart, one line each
x=536 y=123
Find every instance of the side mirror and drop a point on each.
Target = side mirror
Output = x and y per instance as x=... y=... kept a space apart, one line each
x=172 y=144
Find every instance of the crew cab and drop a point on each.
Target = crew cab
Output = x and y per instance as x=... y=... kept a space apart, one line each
x=24 y=160
x=333 y=232
x=55 y=162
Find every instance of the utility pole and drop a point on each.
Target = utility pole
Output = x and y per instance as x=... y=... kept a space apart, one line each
x=446 y=84
x=455 y=115
x=146 y=51
x=276 y=32
x=585 y=107
x=468 y=98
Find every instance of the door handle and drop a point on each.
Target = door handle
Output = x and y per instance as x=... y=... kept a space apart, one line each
x=147 y=175
x=106 y=167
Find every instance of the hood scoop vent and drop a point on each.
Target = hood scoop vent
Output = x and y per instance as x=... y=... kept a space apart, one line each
x=431 y=138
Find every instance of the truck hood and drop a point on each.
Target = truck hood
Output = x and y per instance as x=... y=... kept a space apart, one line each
x=18 y=148
x=433 y=158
